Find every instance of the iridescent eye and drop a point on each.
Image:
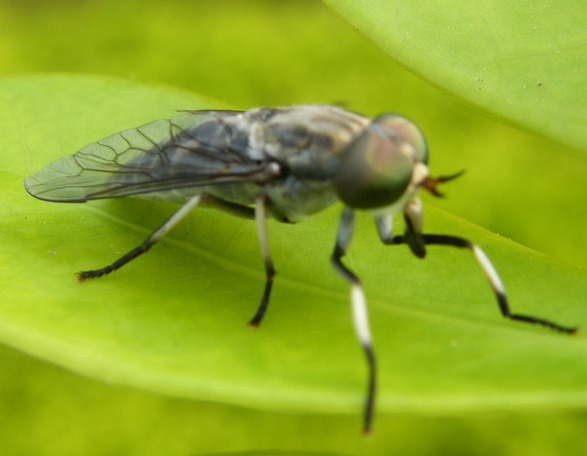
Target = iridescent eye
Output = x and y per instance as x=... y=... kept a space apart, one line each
x=408 y=131
x=374 y=169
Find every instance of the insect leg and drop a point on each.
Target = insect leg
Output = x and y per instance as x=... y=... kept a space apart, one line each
x=413 y=234
x=486 y=267
x=260 y=218
x=359 y=305
x=158 y=234
x=384 y=225
x=237 y=210
x=493 y=279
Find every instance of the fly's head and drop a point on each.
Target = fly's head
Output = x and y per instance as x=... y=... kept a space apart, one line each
x=385 y=165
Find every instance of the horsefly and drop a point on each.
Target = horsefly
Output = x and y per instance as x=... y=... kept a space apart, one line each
x=284 y=163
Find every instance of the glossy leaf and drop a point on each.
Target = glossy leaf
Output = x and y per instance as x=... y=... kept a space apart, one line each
x=243 y=52
x=523 y=62
x=47 y=411
x=174 y=320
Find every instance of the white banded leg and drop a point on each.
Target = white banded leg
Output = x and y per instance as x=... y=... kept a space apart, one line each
x=260 y=218
x=158 y=234
x=493 y=279
x=490 y=273
x=359 y=305
x=384 y=224
x=413 y=234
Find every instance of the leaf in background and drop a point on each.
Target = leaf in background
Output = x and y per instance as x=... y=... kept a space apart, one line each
x=174 y=321
x=522 y=62
x=47 y=411
x=243 y=52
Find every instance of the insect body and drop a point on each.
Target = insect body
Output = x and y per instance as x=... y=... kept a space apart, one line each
x=284 y=163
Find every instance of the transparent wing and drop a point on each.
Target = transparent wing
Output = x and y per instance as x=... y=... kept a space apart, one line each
x=194 y=149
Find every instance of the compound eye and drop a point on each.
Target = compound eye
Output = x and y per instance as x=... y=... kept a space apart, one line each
x=407 y=131
x=374 y=170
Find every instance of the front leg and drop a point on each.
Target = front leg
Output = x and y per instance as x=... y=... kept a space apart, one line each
x=359 y=305
x=411 y=236
x=493 y=279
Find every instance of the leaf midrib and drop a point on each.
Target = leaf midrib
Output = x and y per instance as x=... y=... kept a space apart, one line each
x=297 y=285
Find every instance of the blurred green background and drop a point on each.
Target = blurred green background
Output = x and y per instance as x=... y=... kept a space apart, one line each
x=270 y=53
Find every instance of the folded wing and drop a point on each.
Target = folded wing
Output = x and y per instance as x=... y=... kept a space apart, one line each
x=190 y=150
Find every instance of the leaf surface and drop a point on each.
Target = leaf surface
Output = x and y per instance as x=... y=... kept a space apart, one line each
x=174 y=320
x=521 y=62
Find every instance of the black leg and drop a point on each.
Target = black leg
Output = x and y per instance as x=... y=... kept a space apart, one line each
x=269 y=270
x=237 y=210
x=359 y=307
x=149 y=242
x=490 y=273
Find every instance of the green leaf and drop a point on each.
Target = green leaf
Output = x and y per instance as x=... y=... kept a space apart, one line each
x=514 y=185
x=521 y=62
x=174 y=320
x=47 y=411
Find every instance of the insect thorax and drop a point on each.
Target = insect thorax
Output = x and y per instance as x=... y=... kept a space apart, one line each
x=304 y=141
